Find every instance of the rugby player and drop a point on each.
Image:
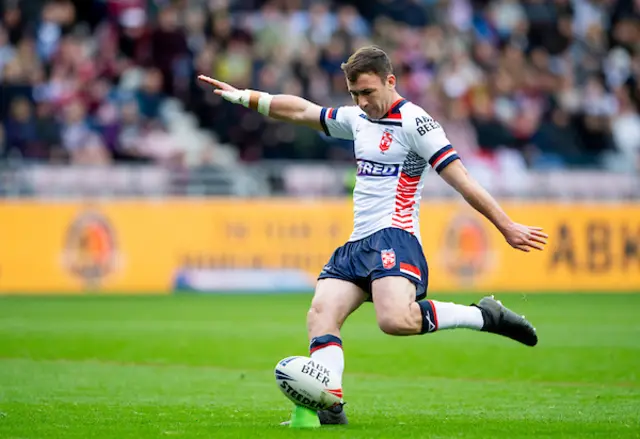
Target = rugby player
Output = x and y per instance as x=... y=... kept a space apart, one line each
x=395 y=143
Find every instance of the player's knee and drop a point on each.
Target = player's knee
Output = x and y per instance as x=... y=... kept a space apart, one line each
x=316 y=310
x=320 y=319
x=314 y=314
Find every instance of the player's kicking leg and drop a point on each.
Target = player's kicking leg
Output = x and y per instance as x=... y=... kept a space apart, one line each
x=399 y=314
x=334 y=300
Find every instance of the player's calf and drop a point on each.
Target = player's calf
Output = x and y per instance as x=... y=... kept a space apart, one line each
x=393 y=299
x=399 y=323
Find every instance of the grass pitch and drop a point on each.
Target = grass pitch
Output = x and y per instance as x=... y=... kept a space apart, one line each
x=202 y=367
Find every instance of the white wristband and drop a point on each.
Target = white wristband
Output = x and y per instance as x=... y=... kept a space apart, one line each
x=255 y=100
x=264 y=103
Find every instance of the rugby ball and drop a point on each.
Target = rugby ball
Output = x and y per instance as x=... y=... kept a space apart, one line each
x=307 y=382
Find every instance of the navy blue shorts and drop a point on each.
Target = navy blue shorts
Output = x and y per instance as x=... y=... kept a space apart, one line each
x=387 y=252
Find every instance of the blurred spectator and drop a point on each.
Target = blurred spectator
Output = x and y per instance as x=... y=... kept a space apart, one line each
x=626 y=130
x=130 y=133
x=15 y=85
x=56 y=21
x=168 y=47
x=47 y=131
x=150 y=95
x=7 y=52
x=13 y=21
x=20 y=129
x=83 y=145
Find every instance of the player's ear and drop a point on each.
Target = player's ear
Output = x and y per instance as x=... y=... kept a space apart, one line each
x=391 y=81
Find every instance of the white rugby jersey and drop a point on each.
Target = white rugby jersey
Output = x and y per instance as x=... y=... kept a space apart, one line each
x=393 y=154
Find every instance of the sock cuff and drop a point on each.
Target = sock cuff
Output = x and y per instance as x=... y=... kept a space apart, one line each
x=429 y=316
x=323 y=341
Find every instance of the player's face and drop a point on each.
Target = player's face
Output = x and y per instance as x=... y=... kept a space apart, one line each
x=371 y=94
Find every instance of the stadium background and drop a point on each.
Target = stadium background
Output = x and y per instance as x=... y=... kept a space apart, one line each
x=100 y=102
x=119 y=173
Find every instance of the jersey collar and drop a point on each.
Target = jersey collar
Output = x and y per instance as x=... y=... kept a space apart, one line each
x=394 y=110
x=392 y=117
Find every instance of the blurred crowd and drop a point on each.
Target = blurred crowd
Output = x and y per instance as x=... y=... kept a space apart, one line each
x=84 y=82
x=535 y=83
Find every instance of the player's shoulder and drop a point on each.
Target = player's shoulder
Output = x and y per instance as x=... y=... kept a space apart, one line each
x=347 y=110
x=417 y=119
x=411 y=112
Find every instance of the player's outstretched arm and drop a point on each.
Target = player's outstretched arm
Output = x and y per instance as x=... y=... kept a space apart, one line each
x=517 y=235
x=282 y=107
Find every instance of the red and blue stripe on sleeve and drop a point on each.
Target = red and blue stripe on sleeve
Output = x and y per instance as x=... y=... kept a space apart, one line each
x=443 y=157
x=327 y=113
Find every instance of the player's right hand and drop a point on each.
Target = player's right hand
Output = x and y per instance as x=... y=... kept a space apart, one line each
x=227 y=91
x=525 y=238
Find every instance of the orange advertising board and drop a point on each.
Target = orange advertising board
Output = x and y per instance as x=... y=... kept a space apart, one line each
x=139 y=246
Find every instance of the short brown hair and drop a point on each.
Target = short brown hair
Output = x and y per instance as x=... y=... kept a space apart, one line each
x=369 y=59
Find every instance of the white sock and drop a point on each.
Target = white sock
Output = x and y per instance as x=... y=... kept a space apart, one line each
x=327 y=349
x=452 y=315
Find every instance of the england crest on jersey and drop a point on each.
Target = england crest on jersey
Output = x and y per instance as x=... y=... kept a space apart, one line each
x=385 y=141
x=388 y=258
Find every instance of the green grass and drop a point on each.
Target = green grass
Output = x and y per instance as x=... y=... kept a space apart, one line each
x=202 y=367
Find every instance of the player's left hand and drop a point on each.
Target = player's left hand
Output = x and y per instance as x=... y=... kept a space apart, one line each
x=219 y=85
x=525 y=238
x=227 y=91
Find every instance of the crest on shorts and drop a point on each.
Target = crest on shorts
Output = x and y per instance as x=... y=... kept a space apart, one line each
x=385 y=142
x=388 y=258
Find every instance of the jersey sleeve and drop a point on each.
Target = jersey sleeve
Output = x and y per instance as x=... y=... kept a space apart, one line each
x=339 y=122
x=430 y=142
